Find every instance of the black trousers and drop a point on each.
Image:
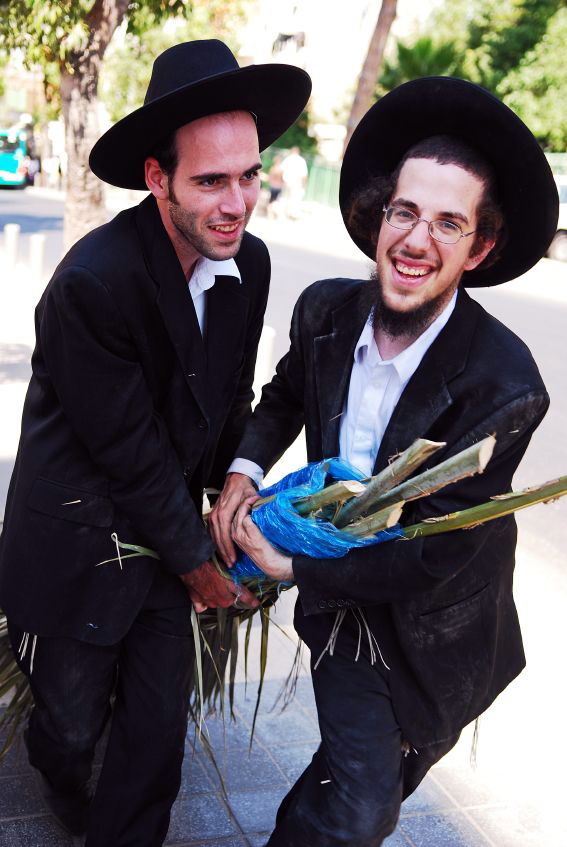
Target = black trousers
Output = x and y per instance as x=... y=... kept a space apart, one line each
x=352 y=791
x=149 y=674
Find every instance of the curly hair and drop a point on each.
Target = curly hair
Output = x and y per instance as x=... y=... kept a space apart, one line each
x=364 y=215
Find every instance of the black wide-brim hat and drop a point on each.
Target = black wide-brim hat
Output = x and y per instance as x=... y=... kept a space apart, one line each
x=525 y=188
x=189 y=81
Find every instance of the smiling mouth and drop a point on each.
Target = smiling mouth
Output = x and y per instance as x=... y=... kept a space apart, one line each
x=411 y=272
x=228 y=228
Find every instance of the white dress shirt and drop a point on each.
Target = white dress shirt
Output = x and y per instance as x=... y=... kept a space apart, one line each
x=375 y=387
x=203 y=278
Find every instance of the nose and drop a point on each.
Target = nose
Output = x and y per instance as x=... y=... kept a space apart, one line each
x=233 y=201
x=418 y=238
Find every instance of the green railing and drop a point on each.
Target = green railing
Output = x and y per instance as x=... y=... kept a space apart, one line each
x=323 y=180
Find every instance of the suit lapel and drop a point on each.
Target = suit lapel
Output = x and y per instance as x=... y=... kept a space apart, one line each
x=174 y=300
x=333 y=365
x=427 y=395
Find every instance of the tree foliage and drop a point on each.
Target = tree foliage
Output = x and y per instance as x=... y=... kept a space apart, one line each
x=501 y=34
x=127 y=68
x=515 y=48
x=423 y=58
x=537 y=88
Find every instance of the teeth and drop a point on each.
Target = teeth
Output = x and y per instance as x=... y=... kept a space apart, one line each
x=229 y=228
x=404 y=269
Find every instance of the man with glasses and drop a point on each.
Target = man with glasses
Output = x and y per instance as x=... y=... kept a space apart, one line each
x=372 y=366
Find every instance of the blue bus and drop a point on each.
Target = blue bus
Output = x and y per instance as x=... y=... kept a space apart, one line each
x=14 y=159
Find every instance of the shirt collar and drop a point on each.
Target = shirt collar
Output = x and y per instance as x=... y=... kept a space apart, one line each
x=406 y=362
x=205 y=271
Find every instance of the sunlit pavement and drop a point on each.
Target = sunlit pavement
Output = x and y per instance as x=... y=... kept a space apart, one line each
x=515 y=795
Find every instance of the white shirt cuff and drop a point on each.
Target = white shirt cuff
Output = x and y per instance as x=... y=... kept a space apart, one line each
x=251 y=469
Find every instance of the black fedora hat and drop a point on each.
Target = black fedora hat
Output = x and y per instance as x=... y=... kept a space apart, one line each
x=416 y=110
x=189 y=81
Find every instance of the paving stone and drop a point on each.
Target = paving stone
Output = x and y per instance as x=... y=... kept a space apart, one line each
x=289 y=726
x=449 y=830
x=33 y=832
x=428 y=797
x=463 y=785
x=19 y=796
x=15 y=761
x=521 y=826
x=195 y=778
x=244 y=770
x=304 y=692
x=196 y=816
x=258 y=840
x=221 y=734
x=293 y=758
x=398 y=839
x=255 y=811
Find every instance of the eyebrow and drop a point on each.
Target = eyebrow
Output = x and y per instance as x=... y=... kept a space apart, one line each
x=215 y=175
x=400 y=201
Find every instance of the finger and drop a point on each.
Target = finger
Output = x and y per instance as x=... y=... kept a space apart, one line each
x=220 y=522
x=248 y=599
x=198 y=603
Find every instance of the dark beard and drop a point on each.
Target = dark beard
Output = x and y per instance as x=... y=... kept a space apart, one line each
x=399 y=324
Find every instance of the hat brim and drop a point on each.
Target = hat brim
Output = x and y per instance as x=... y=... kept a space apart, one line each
x=276 y=94
x=416 y=110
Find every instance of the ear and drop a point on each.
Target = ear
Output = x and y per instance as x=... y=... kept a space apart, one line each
x=474 y=261
x=156 y=179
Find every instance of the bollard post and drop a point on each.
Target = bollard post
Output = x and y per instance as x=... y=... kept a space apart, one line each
x=11 y=237
x=264 y=361
x=37 y=252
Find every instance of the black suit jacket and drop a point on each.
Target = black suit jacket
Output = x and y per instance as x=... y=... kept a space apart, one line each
x=129 y=414
x=442 y=607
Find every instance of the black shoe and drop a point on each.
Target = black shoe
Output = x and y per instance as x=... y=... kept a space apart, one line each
x=70 y=808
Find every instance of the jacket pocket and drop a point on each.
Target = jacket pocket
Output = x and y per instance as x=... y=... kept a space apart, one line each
x=451 y=623
x=70 y=504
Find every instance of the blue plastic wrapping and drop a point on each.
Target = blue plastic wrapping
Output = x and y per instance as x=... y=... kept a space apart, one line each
x=290 y=532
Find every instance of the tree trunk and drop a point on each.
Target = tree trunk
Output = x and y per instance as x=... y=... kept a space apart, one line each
x=84 y=200
x=372 y=63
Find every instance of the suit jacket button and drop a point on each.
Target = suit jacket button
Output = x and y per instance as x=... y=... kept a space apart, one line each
x=202 y=424
x=186 y=471
x=331 y=604
x=322 y=604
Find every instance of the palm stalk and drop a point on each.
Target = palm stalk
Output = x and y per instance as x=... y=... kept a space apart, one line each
x=384 y=519
x=397 y=471
x=497 y=507
x=468 y=462
x=332 y=495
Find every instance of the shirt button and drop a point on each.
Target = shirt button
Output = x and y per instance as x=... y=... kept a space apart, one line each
x=322 y=604
x=202 y=424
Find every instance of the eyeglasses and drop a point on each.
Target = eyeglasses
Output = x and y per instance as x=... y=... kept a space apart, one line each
x=447 y=232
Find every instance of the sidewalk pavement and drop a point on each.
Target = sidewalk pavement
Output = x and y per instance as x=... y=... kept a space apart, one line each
x=514 y=797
